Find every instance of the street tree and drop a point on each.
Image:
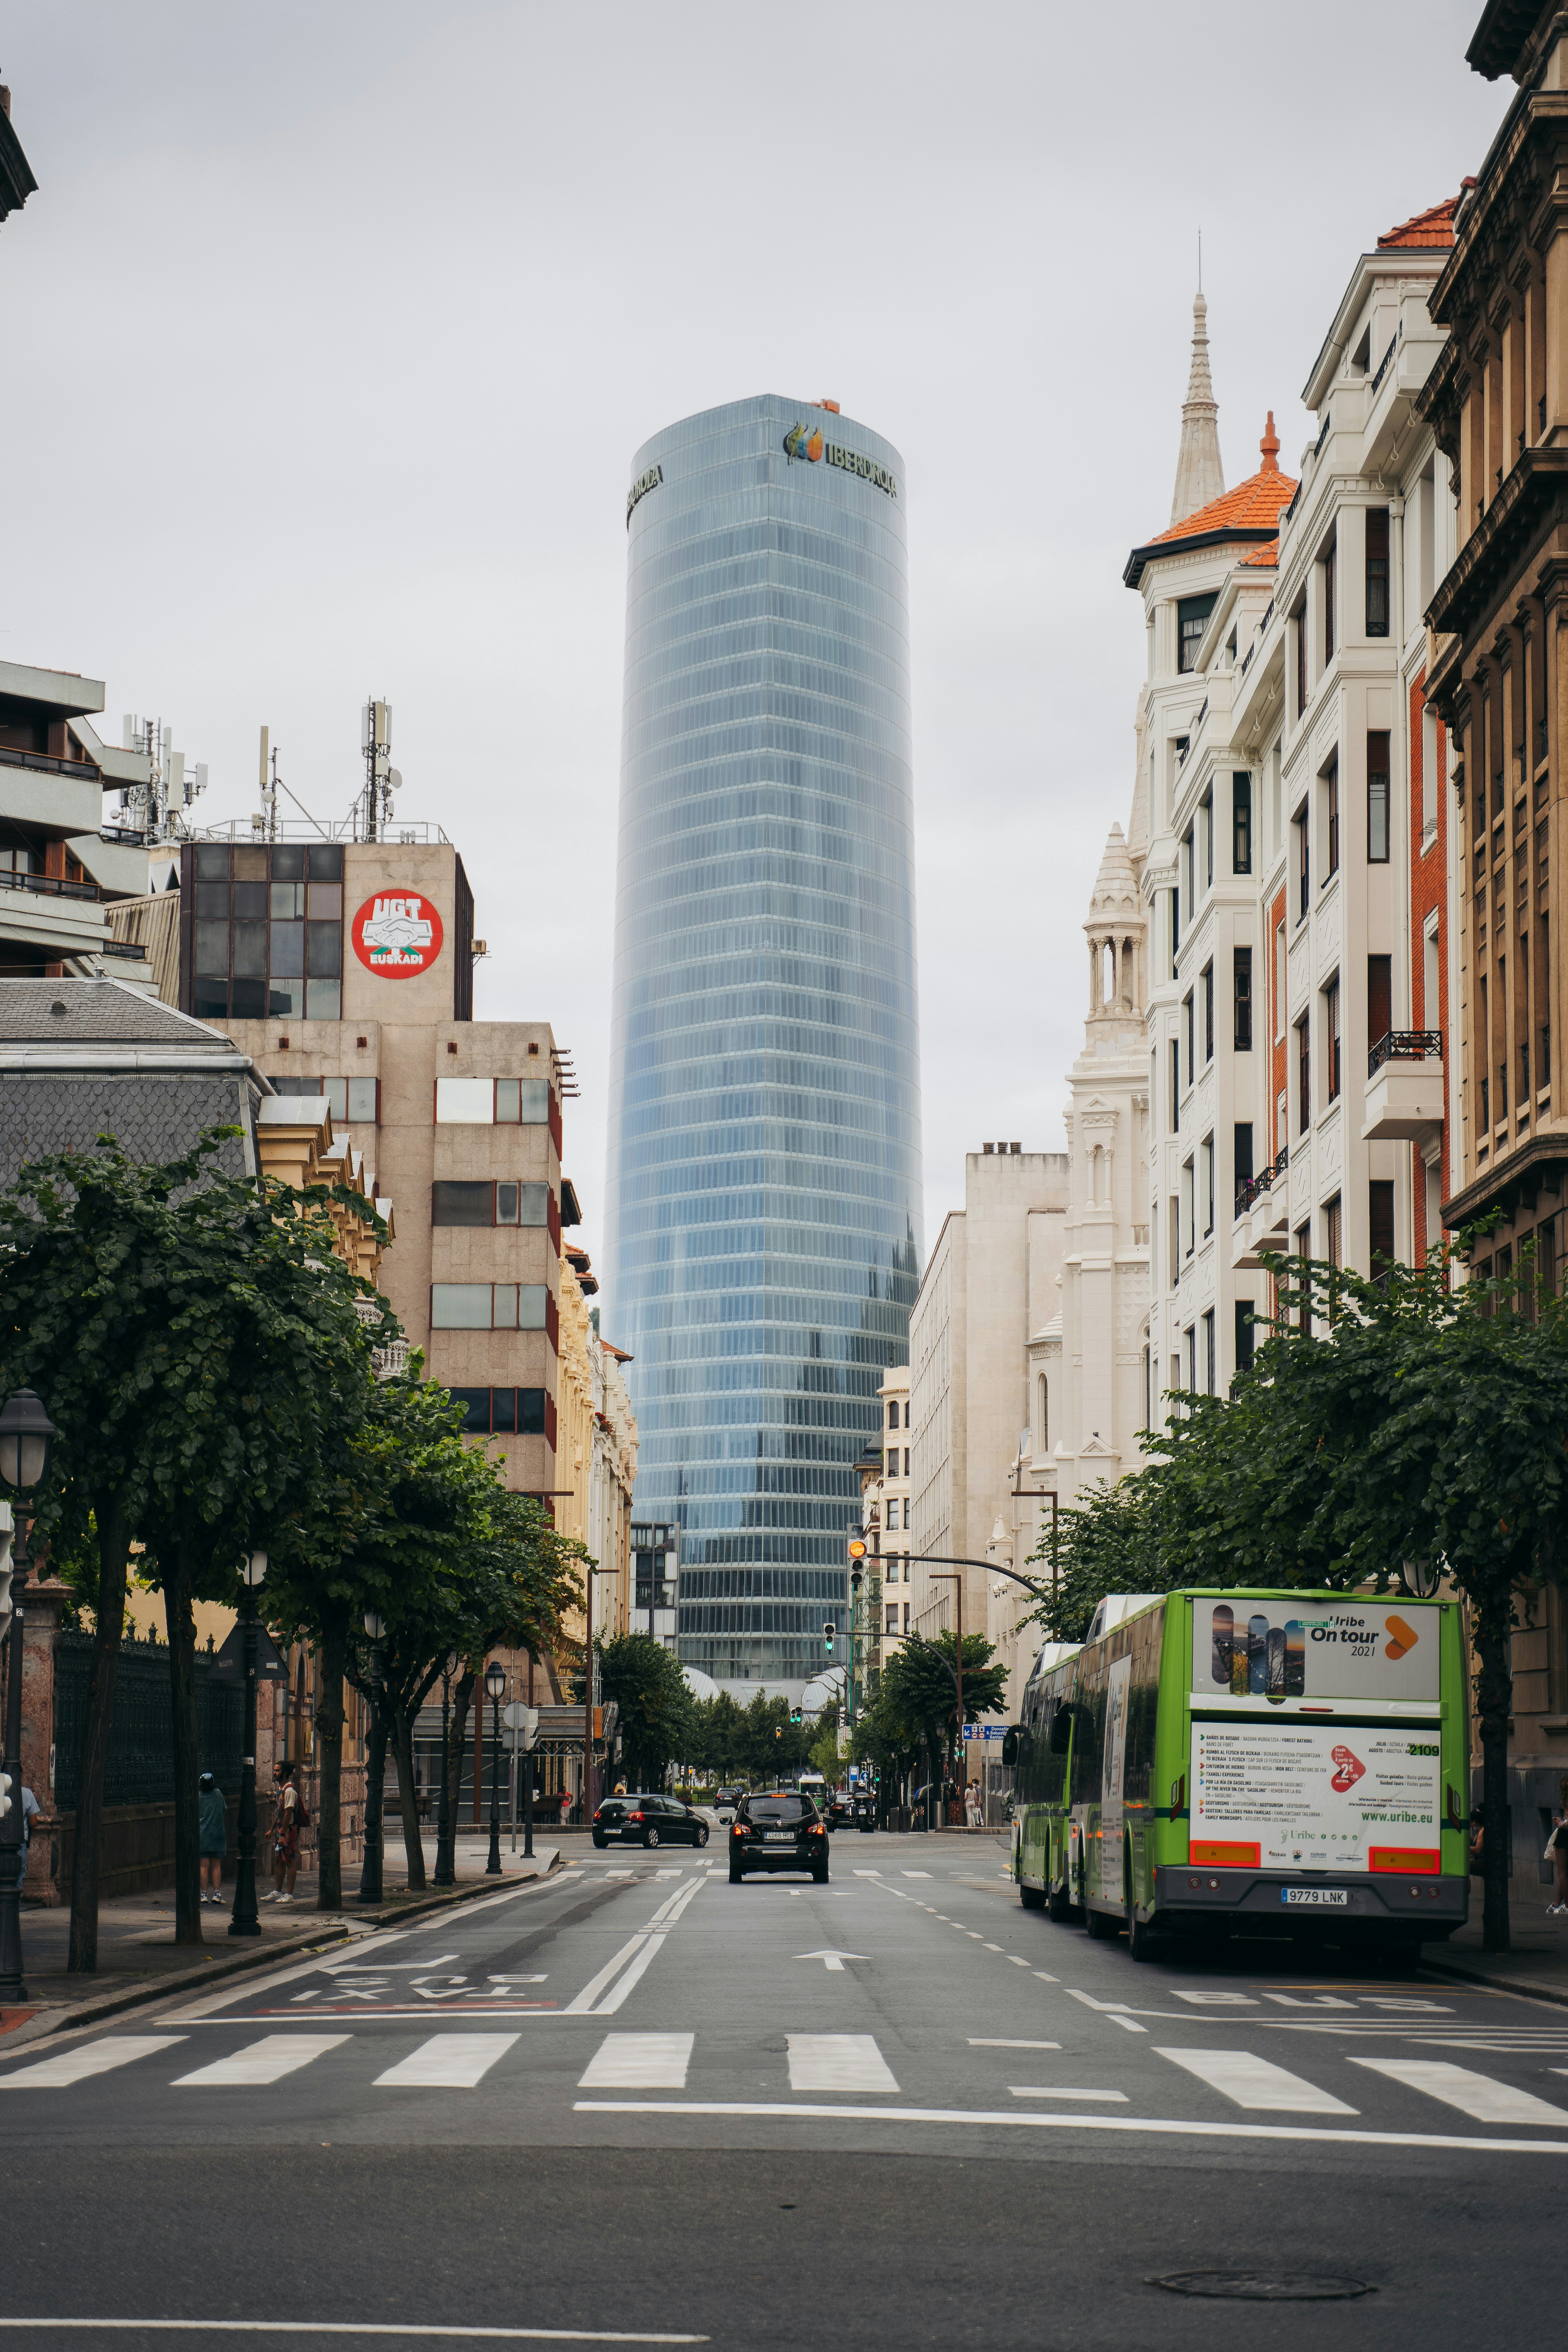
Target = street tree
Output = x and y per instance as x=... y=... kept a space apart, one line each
x=920 y=1685
x=194 y=1336
x=657 y=1721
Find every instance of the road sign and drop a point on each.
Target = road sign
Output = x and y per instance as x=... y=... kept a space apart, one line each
x=985 y=1731
x=524 y=1719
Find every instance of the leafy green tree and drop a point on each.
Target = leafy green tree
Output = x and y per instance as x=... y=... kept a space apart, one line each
x=718 y=1738
x=1104 y=1543
x=824 y=1754
x=194 y=1337
x=659 y=1723
x=919 y=1687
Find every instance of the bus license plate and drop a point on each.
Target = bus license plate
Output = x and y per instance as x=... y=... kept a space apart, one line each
x=1336 y=1897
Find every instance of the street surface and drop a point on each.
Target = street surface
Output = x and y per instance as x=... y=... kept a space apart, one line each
x=641 y=2103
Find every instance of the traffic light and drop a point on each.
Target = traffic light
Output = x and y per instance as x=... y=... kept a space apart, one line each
x=829 y=1631
x=794 y=1715
x=778 y=1731
x=858 y=1548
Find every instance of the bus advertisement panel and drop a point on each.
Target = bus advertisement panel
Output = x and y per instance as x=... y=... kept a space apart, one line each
x=1298 y=1796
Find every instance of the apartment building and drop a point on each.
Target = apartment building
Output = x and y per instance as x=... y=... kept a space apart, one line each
x=887 y=1514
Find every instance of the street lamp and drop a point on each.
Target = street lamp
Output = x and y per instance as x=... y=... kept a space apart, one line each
x=27 y=1440
x=244 y=1920
x=446 y=1860
x=495 y=1684
x=369 y=1870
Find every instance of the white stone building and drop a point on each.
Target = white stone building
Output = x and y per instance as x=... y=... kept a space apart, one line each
x=887 y=1509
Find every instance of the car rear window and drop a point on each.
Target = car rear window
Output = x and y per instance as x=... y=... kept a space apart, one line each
x=778 y=1809
x=612 y=1806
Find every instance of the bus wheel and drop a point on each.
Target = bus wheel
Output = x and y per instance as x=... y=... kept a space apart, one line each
x=1141 y=1935
x=1031 y=1897
x=1101 y=1925
x=1058 y=1905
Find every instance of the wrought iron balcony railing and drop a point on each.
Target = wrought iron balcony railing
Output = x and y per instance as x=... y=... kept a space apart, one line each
x=1405 y=1045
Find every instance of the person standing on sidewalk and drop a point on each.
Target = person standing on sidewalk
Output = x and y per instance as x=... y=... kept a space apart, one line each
x=288 y=1821
x=212 y=1823
x=30 y=1808
x=1559 y=1847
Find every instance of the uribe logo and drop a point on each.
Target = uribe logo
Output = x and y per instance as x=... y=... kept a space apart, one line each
x=397 y=934
x=1401 y=1637
x=798 y=443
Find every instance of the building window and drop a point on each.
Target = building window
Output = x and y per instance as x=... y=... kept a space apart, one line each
x=1332 y=1040
x=1241 y=824
x=1208 y=1185
x=1191 y=1345
x=1246 y=1334
x=356 y=1100
x=1189 y=1201
x=488 y=1306
x=1208 y=841
x=490 y=1204
x=1175 y=1240
x=1329 y=639
x=268 y=939
x=1042 y=1415
x=1380 y=1223
x=1303 y=868
x=1331 y=820
x=1175 y=896
x=894 y=1414
x=1379 y=999
x=1210 y=1367
x=1192 y=620
x=1300 y=621
x=1242 y=999
x=1303 y=1252
x=1377 y=571
x=1304 y=1073
x=492 y=1102
x=1175 y=1087
x=1377 y=796
x=1333 y=1234
x=1192 y=1046
x=1208 y=1012
x=1241 y=1152
x=502 y=1412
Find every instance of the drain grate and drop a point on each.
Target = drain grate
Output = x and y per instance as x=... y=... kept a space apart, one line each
x=1264 y=2286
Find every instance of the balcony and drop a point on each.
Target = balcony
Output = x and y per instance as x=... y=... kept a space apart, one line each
x=1406 y=1099
x=1262 y=1219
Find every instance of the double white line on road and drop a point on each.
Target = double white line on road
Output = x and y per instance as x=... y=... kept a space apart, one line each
x=631 y=1961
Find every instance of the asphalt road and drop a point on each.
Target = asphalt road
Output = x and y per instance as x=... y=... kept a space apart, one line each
x=898 y=2110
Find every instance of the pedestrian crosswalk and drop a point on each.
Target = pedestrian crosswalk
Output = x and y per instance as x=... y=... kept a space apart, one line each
x=1169 y=2083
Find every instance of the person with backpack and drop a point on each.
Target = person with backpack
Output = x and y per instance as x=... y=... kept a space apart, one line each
x=288 y=1818
x=212 y=1824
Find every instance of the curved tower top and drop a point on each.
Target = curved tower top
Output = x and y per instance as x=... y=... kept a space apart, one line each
x=764 y=1192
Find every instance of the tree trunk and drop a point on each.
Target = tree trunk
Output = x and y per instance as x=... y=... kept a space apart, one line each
x=462 y=1699
x=403 y=1749
x=329 y=1720
x=109 y=1626
x=1494 y=1695
x=181 y=1626
x=371 y=1875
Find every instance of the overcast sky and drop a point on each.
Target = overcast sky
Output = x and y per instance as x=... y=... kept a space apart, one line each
x=335 y=324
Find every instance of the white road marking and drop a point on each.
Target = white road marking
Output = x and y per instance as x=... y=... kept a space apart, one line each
x=992 y=1948
x=1130 y=2024
x=833 y=1962
x=837 y=2062
x=90 y=2058
x=868 y=1873
x=595 y=1985
x=1474 y=2095
x=1018 y=2119
x=1018 y=1962
x=1308 y=2000
x=355 y=2327
x=671 y=1874
x=1029 y=2091
x=639 y=2062
x=981 y=2042
x=1253 y=2083
x=267 y=2061
x=624 y=1984
x=448 y=2061
x=617 y=1874
x=1045 y=1979
x=917 y=1874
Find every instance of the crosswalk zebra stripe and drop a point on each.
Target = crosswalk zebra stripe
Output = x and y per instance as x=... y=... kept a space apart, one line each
x=1251 y=2082
x=837 y=2062
x=90 y=2058
x=639 y=2062
x=267 y=2061
x=1476 y=2095
x=448 y=2061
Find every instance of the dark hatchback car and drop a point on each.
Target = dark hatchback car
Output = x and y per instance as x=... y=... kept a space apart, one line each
x=780 y=1832
x=649 y=1820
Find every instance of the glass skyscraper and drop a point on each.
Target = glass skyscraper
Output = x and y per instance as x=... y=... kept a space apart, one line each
x=764 y=1228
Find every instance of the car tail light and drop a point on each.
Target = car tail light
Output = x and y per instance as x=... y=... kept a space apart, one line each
x=817 y=1830
x=633 y=1817
x=737 y=1829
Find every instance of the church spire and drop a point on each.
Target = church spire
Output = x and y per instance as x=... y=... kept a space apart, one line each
x=1199 y=474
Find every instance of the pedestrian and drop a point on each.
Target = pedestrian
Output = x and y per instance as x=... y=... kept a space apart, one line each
x=1557 y=1847
x=288 y=1818
x=972 y=1804
x=30 y=1808
x=212 y=1822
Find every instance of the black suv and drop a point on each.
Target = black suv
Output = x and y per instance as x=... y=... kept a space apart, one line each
x=649 y=1820
x=782 y=1831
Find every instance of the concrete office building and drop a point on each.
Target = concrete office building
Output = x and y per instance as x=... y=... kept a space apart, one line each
x=764 y=1236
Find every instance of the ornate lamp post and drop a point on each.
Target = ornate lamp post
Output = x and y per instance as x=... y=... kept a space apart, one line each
x=245 y=1921
x=26 y=1441
x=445 y=1860
x=495 y=1684
x=369 y=1870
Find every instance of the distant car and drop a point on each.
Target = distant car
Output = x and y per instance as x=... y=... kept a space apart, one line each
x=725 y=1803
x=781 y=1831
x=649 y=1821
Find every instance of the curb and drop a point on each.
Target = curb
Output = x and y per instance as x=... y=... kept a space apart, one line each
x=1526 y=1986
x=50 y=2023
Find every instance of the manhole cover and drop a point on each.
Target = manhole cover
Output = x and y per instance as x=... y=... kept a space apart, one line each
x=1264 y=2286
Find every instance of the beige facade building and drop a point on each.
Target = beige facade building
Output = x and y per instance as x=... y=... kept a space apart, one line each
x=887 y=1521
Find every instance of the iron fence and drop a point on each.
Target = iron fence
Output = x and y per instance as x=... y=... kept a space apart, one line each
x=141 y=1766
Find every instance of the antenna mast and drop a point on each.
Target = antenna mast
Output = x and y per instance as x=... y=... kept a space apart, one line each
x=380 y=777
x=157 y=804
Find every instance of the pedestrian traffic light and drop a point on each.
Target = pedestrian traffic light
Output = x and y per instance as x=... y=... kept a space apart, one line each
x=828 y=1631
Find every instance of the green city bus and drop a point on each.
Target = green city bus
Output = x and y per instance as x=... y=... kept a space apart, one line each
x=1250 y=1762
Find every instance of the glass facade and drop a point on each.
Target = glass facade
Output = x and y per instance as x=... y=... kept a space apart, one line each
x=764 y=1190
x=266 y=939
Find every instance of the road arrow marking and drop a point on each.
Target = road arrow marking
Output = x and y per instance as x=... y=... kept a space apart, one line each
x=833 y=1961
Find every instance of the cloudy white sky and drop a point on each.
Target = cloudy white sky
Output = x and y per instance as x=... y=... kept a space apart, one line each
x=335 y=324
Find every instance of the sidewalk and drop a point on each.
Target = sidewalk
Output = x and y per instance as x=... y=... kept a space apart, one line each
x=137 y=1954
x=1538 y=1963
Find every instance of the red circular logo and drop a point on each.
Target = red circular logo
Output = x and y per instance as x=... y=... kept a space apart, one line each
x=397 y=933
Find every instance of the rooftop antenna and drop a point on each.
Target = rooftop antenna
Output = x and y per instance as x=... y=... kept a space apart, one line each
x=380 y=777
x=264 y=824
x=158 y=801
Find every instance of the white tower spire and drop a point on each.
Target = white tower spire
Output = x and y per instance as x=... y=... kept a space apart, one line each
x=1200 y=476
